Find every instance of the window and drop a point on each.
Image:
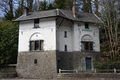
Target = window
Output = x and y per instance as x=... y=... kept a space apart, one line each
x=35 y=61
x=36 y=45
x=36 y=23
x=65 y=48
x=65 y=34
x=87 y=46
x=86 y=25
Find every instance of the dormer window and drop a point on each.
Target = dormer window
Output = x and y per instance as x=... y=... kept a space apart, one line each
x=86 y=25
x=36 y=23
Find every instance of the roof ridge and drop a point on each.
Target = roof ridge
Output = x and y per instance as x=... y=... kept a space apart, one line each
x=86 y=17
x=42 y=11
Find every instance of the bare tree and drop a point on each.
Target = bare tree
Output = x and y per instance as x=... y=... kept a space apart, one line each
x=19 y=10
x=110 y=25
x=87 y=7
x=7 y=7
x=96 y=3
x=30 y=4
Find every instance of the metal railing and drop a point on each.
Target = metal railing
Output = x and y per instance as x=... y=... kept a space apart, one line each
x=68 y=71
x=107 y=70
x=92 y=71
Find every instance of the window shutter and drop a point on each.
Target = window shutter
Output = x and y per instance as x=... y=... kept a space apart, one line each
x=41 y=44
x=32 y=45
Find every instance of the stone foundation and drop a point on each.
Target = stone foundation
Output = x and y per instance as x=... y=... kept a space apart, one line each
x=46 y=64
x=75 y=60
x=37 y=64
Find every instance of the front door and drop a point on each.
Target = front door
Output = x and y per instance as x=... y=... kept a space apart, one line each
x=88 y=63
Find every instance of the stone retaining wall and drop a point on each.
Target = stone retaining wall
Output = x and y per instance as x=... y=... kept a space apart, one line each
x=37 y=64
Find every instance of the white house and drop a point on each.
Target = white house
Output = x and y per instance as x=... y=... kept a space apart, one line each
x=56 y=39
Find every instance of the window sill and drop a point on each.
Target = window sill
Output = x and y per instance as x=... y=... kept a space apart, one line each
x=37 y=51
x=88 y=51
x=36 y=27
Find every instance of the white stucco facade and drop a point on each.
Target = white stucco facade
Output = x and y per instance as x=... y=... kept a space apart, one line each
x=75 y=32
x=53 y=35
x=46 y=32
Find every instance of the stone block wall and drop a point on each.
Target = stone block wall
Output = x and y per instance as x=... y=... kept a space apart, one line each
x=37 y=64
x=75 y=60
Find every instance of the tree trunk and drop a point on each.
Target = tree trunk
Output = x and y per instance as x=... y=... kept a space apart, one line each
x=87 y=7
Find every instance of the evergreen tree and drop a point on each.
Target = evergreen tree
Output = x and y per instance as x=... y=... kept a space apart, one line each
x=8 y=42
x=60 y=4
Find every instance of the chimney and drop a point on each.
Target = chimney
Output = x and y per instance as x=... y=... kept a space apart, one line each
x=73 y=11
x=25 y=11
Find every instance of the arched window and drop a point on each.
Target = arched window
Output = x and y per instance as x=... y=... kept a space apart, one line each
x=36 y=42
x=87 y=43
x=87 y=38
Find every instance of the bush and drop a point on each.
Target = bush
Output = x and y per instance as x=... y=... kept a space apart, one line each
x=107 y=65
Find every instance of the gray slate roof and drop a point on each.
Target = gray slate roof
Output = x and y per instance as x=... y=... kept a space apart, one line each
x=84 y=17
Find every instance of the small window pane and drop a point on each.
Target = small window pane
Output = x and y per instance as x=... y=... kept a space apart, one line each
x=36 y=45
x=86 y=26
